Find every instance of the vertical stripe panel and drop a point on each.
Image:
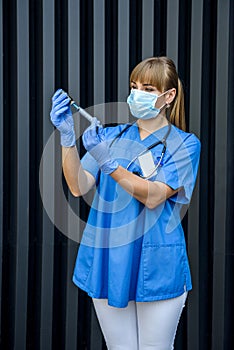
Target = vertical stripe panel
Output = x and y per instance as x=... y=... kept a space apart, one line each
x=172 y=29
x=96 y=339
x=1 y=154
x=229 y=281
x=22 y=174
x=207 y=166
x=74 y=48
x=147 y=28
x=160 y=27
x=123 y=60
x=48 y=229
x=99 y=51
x=194 y=126
x=9 y=172
x=99 y=59
x=111 y=59
x=135 y=32
x=221 y=173
x=86 y=53
x=71 y=300
x=123 y=49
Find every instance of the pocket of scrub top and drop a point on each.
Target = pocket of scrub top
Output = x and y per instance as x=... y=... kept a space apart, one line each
x=164 y=269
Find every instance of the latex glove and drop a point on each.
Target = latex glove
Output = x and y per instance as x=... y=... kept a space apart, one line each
x=61 y=117
x=95 y=143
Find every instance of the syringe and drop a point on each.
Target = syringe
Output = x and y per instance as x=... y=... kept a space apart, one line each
x=79 y=109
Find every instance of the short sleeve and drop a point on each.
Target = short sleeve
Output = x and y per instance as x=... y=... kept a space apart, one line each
x=179 y=170
x=89 y=164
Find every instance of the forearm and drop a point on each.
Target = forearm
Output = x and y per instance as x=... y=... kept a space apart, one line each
x=77 y=179
x=151 y=194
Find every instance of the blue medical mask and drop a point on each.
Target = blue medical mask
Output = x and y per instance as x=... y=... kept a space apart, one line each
x=142 y=104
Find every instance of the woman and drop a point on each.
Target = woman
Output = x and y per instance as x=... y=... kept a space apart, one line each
x=132 y=259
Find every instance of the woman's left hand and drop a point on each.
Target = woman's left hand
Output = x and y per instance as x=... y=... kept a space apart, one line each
x=95 y=143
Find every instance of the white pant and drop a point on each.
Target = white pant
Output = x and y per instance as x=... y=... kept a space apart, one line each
x=141 y=325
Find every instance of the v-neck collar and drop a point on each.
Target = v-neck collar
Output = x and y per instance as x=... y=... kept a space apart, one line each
x=151 y=138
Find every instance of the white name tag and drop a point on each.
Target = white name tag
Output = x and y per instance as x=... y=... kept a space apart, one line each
x=146 y=163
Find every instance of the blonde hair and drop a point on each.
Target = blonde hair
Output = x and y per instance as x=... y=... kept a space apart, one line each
x=161 y=73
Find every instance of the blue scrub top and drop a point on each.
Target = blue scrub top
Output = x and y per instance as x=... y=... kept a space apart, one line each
x=128 y=251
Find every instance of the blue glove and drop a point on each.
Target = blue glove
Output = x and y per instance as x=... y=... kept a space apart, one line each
x=95 y=143
x=61 y=117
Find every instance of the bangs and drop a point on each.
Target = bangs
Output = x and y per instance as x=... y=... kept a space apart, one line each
x=149 y=72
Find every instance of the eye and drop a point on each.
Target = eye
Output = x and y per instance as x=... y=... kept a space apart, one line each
x=148 y=89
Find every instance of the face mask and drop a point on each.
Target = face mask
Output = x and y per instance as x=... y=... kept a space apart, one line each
x=142 y=104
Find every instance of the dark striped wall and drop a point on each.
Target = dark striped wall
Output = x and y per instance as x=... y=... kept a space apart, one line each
x=88 y=47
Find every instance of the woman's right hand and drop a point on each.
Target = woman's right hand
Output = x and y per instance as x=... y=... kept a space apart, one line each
x=61 y=118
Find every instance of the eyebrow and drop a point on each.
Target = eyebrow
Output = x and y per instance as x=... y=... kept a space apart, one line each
x=145 y=84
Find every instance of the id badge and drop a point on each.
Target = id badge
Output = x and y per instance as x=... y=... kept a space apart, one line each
x=146 y=163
